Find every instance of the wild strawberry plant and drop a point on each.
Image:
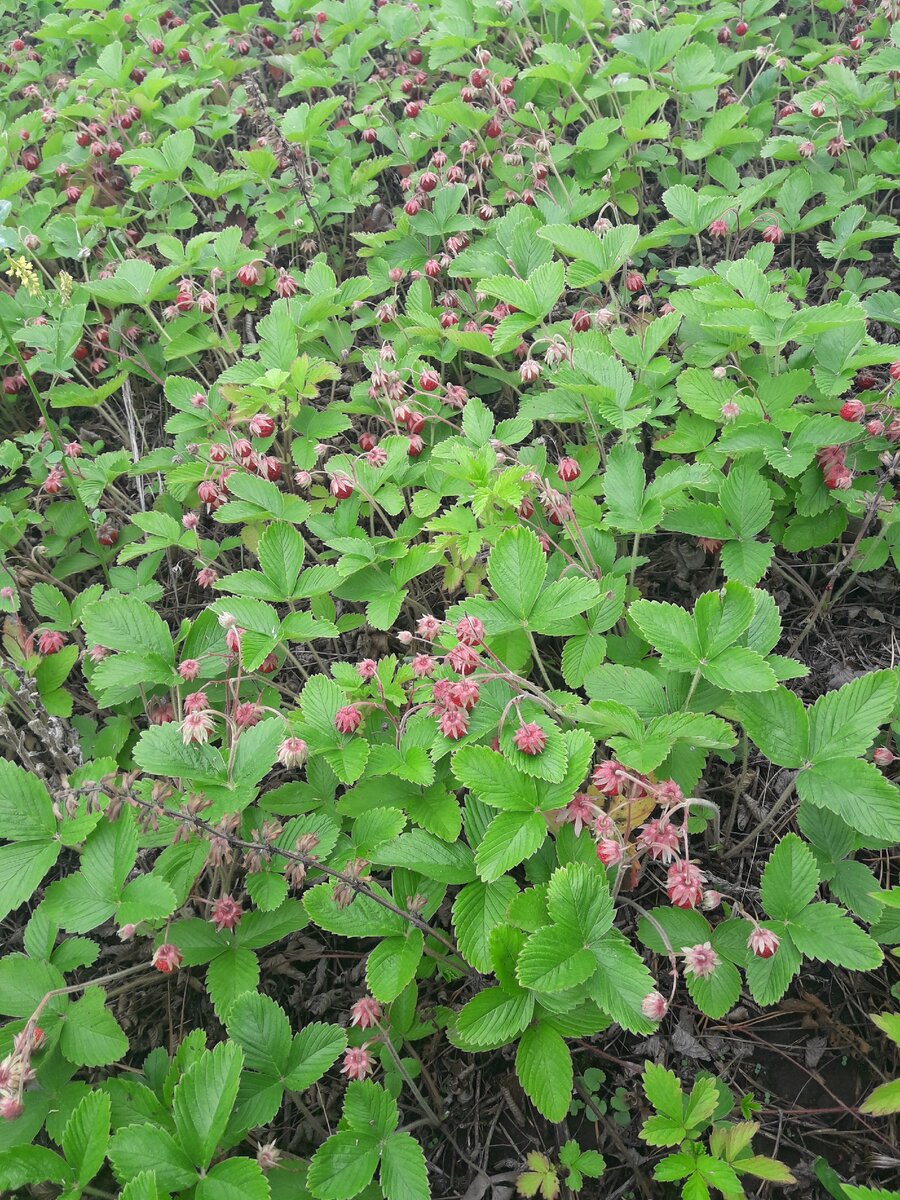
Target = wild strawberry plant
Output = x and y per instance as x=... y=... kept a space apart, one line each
x=449 y=470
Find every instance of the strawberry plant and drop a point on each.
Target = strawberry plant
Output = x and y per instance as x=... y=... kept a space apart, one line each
x=449 y=547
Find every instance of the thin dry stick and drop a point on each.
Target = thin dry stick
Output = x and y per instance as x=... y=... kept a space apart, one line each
x=766 y=821
x=307 y=860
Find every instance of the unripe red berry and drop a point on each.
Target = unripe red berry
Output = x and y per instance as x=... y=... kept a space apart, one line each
x=741 y=28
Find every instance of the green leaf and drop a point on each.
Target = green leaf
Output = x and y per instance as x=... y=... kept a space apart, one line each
x=234 y=1179
x=509 y=839
x=721 y=617
x=621 y=982
x=22 y=867
x=478 y=908
x=554 y=960
x=281 y=555
x=313 y=1051
x=884 y=1100
x=578 y=899
x=544 y=1068
x=846 y=721
x=718 y=992
x=133 y=1147
x=494 y=1017
x=141 y=1187
x=203 y=1100
x=776 y=721
x=343 y=1165
x=790 y=880
x=663 y=1090
x=24 y=1165
x=826 y=933
x=740 y=670
x=857 y=792
x=125 y=623
x=161 y=751
x=745 y=500
x=26 y=810
x=261 y=1028
x=516 y=570
x=229 y=975
x=769 y=978
x=670 y=630
x=404 y=1175
x=86 y=1136
x=392 y=964
x=91 y=1035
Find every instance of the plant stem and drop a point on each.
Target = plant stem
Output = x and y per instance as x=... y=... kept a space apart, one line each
x=767 y=820
x=52 y=428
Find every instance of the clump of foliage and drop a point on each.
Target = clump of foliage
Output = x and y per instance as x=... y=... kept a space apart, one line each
x=436 y=437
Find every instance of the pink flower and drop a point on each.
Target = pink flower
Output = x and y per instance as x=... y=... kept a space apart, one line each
x=453 y=723
x=365 y=1012
x=773 y=234
x=286 y=285
x=247 y=715
x=226 y=912
x=530 y=738
x=206 y=577
x=718 y=228
x=530 y=370
x=422 y=665
x=357 y=1062
x=167 y=958
x=763 y=942
x=248 y=275
x=347 y=719
x=606 y=778
x=660 y=839
x=700 y=960
x=293 y=752
x=883 y=756
x=54 y=481
x=10 y=1108
x=685 y=884
x=654 y=1006
x=711 y=900
x=428 y=627
x=51 y=641
x=568 y=470
x=463 y=659
x=189 y=669
x=470 y=631
x=580 y=811
x=196 y=727
x=196 y=702
x=464 y=694
x=367 y=668
x=262 y=426
x=97 y=653
x=341 y=486
x=610 y=852
x=668 y=792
